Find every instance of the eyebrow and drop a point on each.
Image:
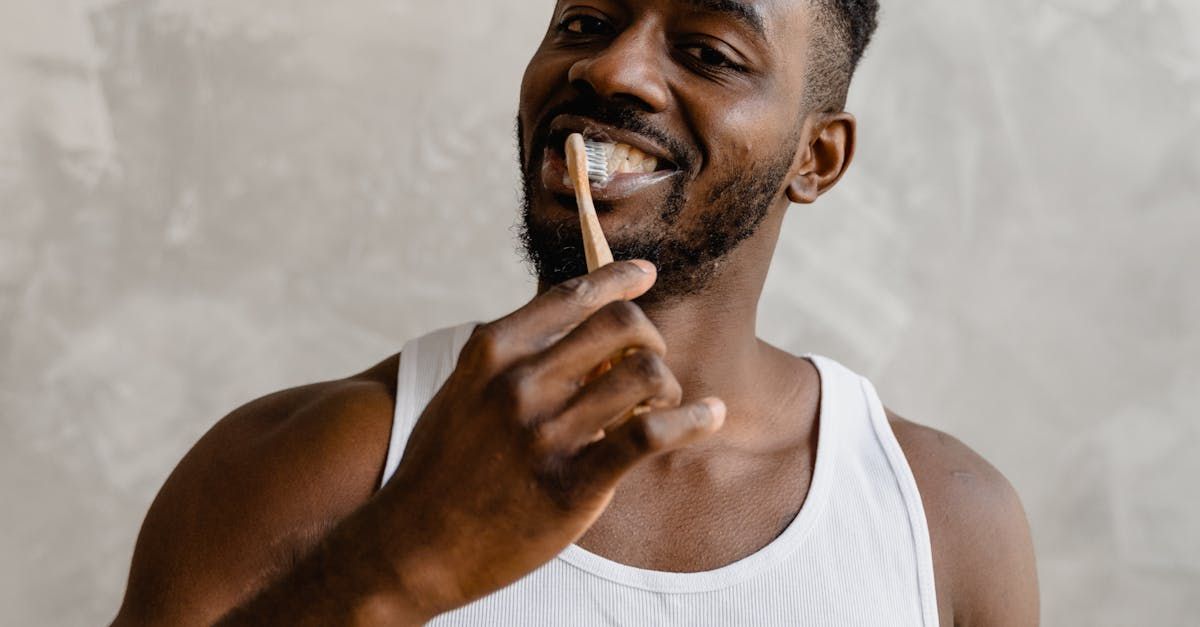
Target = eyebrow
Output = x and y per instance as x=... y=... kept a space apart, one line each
x=742 y=12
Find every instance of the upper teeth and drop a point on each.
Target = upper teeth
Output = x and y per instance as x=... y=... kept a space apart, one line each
x=626 y=158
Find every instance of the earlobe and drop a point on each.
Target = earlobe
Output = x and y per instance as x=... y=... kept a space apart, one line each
x=802 y=190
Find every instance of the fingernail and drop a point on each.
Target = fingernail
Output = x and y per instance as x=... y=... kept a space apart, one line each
x=645 y=266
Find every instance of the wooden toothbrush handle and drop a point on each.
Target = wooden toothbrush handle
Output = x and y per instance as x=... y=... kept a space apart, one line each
x=595 y=247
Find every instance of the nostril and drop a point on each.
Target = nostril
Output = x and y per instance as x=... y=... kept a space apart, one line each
x=629 y=100
x=583 y=87
x=617 y=101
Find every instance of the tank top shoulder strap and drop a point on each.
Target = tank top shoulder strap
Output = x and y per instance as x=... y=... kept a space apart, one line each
x=912 y=501
x=867 y=434
x=425 y=364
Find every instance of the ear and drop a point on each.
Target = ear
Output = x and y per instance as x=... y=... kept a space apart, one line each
x=821 y=162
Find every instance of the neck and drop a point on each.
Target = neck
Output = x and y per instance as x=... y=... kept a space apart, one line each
x=713 y=347
x=712 y=341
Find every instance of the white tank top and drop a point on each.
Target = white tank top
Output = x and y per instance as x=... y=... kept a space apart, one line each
x=857 y=553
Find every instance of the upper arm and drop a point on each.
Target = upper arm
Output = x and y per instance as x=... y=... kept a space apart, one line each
x=260 y=488
x=982 y=548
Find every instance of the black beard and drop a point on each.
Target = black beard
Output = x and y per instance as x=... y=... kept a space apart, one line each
x=688 y=258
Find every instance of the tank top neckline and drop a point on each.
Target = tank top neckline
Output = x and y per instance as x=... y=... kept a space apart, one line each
x=787 y=542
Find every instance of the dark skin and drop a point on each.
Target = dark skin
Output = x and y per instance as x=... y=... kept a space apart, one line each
x=274 y=516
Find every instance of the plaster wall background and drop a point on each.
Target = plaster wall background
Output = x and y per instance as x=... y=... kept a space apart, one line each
x=204 y=201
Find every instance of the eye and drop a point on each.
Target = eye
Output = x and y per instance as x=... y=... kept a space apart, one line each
x=711 y=57
x=584 y=25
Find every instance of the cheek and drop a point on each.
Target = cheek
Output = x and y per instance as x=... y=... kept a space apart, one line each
x=529 y=82
x=545 y=74
x=740 y=149
x=529 y=95
x=745 y=130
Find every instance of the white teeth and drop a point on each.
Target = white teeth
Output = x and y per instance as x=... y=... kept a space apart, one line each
x=616 y=161
x=634 y=161
x=625 y=159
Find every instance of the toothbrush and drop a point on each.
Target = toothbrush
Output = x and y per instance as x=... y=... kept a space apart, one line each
x=587 y=164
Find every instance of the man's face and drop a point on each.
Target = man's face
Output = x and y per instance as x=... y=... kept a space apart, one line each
x=705 y=97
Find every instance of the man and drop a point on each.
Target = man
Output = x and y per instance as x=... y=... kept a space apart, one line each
x=588 y=460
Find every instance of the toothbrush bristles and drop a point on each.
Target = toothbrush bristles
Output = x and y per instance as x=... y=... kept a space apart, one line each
x=597 y=161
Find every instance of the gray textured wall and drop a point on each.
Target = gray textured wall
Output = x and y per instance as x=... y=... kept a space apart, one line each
x=205 y=200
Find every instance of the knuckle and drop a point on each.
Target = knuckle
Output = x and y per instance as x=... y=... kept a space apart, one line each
x=645 y=438
x=512 y=390
x=483 y=347
x=632 y=323
x=673 y=392
x=625 y=314
x=650 y=368
x=580 y=291
x=544 y=438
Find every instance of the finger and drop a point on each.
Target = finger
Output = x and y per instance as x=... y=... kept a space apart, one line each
x=605 y=337
x=642 y=379
x=554 y=313
x=605 y=461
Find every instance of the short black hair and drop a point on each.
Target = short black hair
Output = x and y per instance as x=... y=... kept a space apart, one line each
x=841 y=31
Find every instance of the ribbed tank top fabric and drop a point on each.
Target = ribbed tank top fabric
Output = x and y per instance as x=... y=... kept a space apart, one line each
x=857 y=553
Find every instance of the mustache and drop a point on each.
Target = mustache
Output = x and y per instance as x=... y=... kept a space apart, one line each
x=619 y=115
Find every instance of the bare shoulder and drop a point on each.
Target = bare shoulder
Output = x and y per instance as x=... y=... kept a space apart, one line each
x=255 y=493
x=982 y=548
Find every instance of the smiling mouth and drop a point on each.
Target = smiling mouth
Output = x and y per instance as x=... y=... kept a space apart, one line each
x=622 y=158
x=636 y=165
x=624 y=182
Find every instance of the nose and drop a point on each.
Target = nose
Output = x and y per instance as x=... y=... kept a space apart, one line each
x=629 y=69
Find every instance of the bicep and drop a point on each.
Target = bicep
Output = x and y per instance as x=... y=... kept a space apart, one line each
x=263 y=486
